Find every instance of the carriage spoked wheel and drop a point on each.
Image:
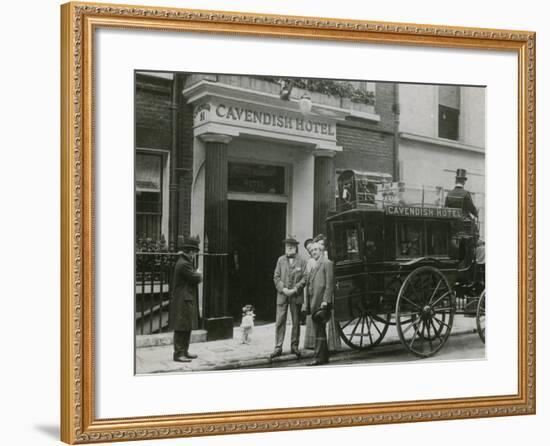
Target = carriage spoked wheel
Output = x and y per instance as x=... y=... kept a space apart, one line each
x=364 y=329
x=424 y=312
x=480 y=317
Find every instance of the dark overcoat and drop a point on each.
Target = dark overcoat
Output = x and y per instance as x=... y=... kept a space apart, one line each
x=184 y=302
x=290 y=276
x=320 y=285
x=461 y=198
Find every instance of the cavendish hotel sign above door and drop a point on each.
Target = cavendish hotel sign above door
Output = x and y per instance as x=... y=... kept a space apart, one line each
x=267 y=119
x=224 y=109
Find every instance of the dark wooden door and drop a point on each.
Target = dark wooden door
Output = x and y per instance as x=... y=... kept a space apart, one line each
x=256 y=231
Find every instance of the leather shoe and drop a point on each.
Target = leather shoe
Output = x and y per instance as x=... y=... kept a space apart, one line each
x=276 y=353
x=190 y=356
x=295 y=351
x=180 y=358
x=316 y=362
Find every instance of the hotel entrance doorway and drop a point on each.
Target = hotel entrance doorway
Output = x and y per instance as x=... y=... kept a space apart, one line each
x=256 y=230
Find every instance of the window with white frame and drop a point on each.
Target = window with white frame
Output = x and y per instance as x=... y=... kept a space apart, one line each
x=449 y=112
x=149 y=173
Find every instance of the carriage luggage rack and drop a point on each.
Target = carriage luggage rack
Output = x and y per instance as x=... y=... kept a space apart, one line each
x=370 y=190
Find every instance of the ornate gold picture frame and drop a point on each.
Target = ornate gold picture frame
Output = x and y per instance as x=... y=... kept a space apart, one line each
x=80 y=21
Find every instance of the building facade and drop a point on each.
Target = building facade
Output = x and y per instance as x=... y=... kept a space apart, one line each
x=242 y=162
x=442 y=128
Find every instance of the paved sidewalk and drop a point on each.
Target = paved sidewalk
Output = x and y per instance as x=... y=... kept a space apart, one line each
x=232 y=354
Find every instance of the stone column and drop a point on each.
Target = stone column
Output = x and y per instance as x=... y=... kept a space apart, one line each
x=215 y=288
x=324 y=186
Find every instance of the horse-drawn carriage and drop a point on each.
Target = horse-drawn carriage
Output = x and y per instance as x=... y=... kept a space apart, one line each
x=412 y=266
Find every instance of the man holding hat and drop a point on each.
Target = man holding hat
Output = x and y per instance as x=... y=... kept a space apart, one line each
x=289 y=279
x=320 y=287
x=459 y=197
x=184 y=304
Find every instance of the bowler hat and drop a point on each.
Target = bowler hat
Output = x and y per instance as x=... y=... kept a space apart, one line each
x=291 y=240
x=319 y=237
x=461 y=174
x=307 y=242
x=191 y=242
x=321 y=315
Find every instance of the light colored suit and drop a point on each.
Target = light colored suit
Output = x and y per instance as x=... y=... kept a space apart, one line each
x=320 y=287
x=289 y=275
x=320 y=284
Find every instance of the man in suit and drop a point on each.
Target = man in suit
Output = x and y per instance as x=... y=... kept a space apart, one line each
x=459 y=197
x=289 y=279
x=320 y=286
x=184 y=304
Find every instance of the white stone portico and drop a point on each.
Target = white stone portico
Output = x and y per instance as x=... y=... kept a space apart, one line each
x=256 y=127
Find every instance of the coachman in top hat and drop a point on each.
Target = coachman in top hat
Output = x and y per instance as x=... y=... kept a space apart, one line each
x=459 y=197
x=184 y=304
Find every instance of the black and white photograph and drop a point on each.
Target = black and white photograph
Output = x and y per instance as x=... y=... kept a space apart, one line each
x=295 y=222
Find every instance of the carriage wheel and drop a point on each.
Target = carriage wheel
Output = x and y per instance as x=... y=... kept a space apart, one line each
x=480 y=317
x=363 y=331
x=425 y=311
x=390 y=295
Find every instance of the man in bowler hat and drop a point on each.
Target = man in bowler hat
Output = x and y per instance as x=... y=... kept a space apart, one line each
x=289 y=279
x=184 y=304
x=320 y=286
x=459 y=197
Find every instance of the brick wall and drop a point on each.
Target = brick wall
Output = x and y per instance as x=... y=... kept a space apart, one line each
x=152 y=112
x=368 y=145
x=153 y=116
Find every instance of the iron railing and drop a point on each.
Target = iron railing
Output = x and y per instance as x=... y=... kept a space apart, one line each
x=152 y=291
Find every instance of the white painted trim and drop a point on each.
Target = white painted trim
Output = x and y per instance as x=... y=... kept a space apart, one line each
x=442 y=142
x=252 y=196
x=236 y=130
x=165 y=187
x=206 y=88
x=365 y=115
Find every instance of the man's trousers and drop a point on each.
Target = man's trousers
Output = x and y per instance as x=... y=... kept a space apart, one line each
x=280 y=324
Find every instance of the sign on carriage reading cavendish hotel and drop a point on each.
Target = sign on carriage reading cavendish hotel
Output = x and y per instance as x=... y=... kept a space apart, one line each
x=409 y=211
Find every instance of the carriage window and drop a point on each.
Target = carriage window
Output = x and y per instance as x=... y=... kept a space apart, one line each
x=409 y=239
x=346 y=242
x=374 y=248
x=438 y=238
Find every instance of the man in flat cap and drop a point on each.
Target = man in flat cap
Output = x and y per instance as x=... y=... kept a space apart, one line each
x=459 y=197
x=289 y=279
x=184 y=304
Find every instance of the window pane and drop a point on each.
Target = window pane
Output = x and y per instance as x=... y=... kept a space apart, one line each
x=374 y=239
x=148 y=195
x=448 y=122
x=148 y=172
x=346 y=242
x=438 y=238
x=148 y=202
x=409 y=239
x=449 y=95
x=256 y=178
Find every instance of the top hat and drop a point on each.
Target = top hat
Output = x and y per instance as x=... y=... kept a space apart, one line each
x=461 y=174
x=191 y=242
x=291 y=240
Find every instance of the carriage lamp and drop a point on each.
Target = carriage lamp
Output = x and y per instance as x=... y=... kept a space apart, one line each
x=305 y=104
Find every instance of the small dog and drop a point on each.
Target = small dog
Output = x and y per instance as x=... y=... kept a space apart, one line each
x=247 y=323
